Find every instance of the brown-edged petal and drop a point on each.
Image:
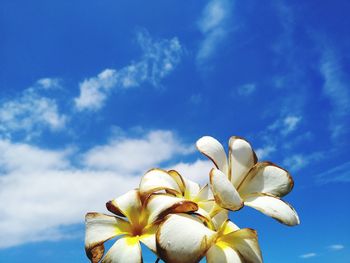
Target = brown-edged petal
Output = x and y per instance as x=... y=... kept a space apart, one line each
x=267 y=178
x=100 y=228
x=213 y=149
x=182 y=238
x=128 y=205
x=156 y=180
x=241 y=159
x=160 y=205
x=124 y=250
x=245 y=243
x=224 y=192
x=274 y=207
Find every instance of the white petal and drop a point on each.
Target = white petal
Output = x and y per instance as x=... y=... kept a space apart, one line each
x=149 y=239
x=220 y=218
x=124 y=250
x=213 y=149
x=182 y=238
x=156 y=180
x=224 y=192
x=268 y=178
x=128 y=205
x=160 y=205
x=241 y=159
x=191 y=189
x=222 y=254
x=245 y=242
x=204 y=194
x=100 y=228
x=274 y=207
x=227 y=227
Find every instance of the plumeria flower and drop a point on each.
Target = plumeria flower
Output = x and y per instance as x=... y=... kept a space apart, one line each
x=135 y=221
x=172 y=182
x=183 y=238
x=241 y=180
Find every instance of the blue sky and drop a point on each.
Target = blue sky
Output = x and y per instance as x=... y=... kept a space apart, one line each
x=94 y=93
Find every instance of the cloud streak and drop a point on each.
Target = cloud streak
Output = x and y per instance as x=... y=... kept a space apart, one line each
x=159 y=58
x=336 y=89
x=308 y=255
x=32 y=112
x=213 y=25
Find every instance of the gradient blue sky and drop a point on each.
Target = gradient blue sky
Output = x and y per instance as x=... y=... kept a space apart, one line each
x=94 y=93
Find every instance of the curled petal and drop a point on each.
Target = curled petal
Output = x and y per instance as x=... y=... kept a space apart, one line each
x=124 y=250
x=156 y=180
x=213 y=149
x=100 y=228
x=267 y=178
x=245 y=243
x=178 y=178
x=182 y=238
x=160 y=205
x=273 y=206
x=241 y=159
x=224 y=192
x=223 y=254
x=128 y=205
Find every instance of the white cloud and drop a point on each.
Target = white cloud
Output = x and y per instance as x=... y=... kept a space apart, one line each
x=213 y=25
x=37 y=204
x=340 y=173
x=286 y=125
x=337 y=90
x=44 y=191
x=159 y=58
x=94 y=91
x=308 y=255
x=336 y=247
x=298 y=161
x=48 y=83
x=265 y=151
x=246 y=89
x=136 y=155
x=31 y=112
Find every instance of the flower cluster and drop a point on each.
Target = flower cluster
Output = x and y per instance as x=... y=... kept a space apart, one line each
x=182 y=222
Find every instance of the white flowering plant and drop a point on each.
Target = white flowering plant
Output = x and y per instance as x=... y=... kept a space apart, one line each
x=183 y=222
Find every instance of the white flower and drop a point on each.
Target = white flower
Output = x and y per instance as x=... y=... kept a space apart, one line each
x=135 y=221
x=183 y=238
x=241 y=180
x=156 y=180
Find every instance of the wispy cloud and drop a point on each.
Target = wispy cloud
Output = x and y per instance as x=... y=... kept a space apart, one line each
x=337 y=90
x=159 y=58
x=336 y=247
x=213 y=25
x=340 y=173
x=308 y=255
x=54 y=189
x=286 y=124
x=31 y=111
x=298 y=161
x=265 y=151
